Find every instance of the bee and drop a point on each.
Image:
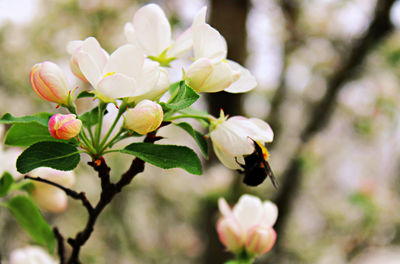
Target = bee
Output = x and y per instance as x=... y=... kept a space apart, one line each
x=256 y=167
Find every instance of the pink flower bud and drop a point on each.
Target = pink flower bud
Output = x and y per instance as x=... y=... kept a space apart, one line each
x=64 y=126
x=260 y=240
x=230 y=234
x=145 y=117
x=49 y=82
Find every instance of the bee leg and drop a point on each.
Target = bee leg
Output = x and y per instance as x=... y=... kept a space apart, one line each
x=241 y=165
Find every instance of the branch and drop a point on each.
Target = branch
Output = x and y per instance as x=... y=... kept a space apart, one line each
x=71 y=193
x=321 y=113
x=108 y=192
x=60 y=245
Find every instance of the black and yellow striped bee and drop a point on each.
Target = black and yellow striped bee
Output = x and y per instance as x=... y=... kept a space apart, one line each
x=256 y=167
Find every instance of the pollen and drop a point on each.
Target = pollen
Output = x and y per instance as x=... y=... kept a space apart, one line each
x=108 y=74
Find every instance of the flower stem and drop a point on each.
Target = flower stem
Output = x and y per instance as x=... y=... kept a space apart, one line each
x=99 y=126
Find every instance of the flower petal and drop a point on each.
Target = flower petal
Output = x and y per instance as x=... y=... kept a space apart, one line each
x=116 y=86
x=127 y=59
x=270 y=214
x=228 y=160
x=150 y=76
x=153 y=29
x=245 y=83
x=264 y=131
x=89 y=68
x=73 y=45
x=96 y=52
x=208 y=43
x=224 y=207
x=248 y=211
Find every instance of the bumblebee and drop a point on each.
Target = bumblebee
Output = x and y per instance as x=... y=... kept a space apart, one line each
x=256 y=167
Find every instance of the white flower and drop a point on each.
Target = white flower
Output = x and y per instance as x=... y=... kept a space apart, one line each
x=31 y=255
x=124 y=73
x=233 y=138
x=49 y=197
x=151 y=31
x=248 y=226
x=211 y=72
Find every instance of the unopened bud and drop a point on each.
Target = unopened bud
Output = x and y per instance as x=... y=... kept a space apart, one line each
x=64 y=126
x=145 y=117
x=49 y=82
x=260 y=240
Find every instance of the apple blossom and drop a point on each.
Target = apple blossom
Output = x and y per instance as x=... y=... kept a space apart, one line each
x=31 y=255
x=233 y=137
x=48 y=197
x=151 y=31
x=49 y=82
x=211 y=72
x=125 y=73
x=64 y=126
x=248 y=226
x=145 y=117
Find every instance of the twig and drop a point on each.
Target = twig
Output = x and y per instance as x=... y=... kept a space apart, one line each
x=60 y=245
x=108 y=192
x=291 y=178
x=71 y=193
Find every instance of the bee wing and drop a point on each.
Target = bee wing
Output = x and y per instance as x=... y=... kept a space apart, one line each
x=270 y=174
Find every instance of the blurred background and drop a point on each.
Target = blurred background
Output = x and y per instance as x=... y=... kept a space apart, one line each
x=328 y=73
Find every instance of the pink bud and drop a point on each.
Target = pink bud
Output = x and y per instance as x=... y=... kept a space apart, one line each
x=145 y=117
x=49 y=82
x=230 y=234
x=260 y=240
x=64 y=126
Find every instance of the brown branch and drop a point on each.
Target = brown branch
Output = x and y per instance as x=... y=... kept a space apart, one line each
x=60 y=245
x=108 y=192
x=71 y=193
x=321 y=114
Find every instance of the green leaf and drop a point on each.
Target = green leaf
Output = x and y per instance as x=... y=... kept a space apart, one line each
x=26 y=134
x=182 y=96
x=26 y=186
x=91 y=118
x=166 y=156
x=56 y=155
x=41 y=118
x=6 y=182
x=30 y=219
x=198 y=137
x=84 y=94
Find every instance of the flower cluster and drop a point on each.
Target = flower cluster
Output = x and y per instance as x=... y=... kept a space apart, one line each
x=136 y=79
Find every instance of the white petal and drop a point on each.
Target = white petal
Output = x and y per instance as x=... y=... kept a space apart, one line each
x=117 y=86
x=96 y=52
x=231 y=139
x=248 y=211
x=220 y=78
x=73 y=45
x=208 y=43
x=245 y=83
x=228 y=160
x=265 y=133
x=153 y=29
x=89 y=68
x=150 y=75
x=198 y=73
x=182 y=44
x=270 y=213
x=127 y=59
x=224 y=207
x=200 y=17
